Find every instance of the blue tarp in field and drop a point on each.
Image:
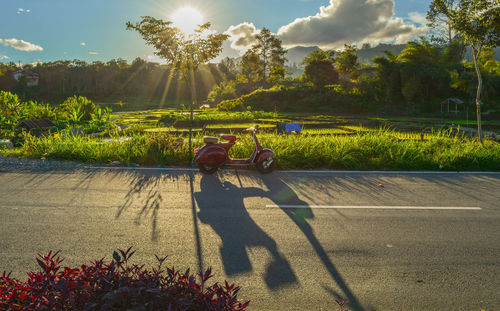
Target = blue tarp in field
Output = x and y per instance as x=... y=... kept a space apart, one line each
x=289 y=127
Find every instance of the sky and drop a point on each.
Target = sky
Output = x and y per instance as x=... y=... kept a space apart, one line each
x=94 y=30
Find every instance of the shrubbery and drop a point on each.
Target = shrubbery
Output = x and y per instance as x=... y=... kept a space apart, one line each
x=298 y=98
x=76 y=111
x=210 y=117
x=118 y=285
x=13 y=110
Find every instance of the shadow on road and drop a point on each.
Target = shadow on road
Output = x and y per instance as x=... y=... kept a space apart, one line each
x=221 y=206
x=146 y=186
x=281 y=194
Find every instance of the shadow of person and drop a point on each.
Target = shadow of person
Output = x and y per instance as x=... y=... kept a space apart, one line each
x=221 y=206
x=299 y=211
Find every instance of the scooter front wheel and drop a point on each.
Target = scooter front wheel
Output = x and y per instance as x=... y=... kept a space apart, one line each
x=207 y=169
x=266 y=166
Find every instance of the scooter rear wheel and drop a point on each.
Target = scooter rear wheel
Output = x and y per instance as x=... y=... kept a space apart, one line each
x=266 y=166
x=207 y=169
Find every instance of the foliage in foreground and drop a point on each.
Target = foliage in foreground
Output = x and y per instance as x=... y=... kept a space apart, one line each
x=76 y=111
x=117 y=285
x=380 y=150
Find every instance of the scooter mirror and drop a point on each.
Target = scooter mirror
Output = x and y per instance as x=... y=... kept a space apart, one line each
x=254 y=128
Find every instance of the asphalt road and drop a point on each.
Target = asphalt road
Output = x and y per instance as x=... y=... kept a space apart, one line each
x=292 y=240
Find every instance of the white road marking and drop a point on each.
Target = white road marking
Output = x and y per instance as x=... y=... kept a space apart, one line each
x=458 y=208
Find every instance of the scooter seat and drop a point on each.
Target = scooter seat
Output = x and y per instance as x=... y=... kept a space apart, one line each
x=210 y=140
x=228 y=137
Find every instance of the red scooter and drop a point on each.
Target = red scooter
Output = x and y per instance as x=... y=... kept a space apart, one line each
x=215 y=154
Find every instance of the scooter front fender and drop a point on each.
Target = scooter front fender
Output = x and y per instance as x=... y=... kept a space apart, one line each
x=264 y=154
x=211 y=154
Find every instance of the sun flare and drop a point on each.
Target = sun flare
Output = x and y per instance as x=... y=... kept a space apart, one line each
x=187 y=19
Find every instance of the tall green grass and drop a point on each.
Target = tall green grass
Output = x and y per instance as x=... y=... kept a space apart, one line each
x=379 y=150
x=144 y=149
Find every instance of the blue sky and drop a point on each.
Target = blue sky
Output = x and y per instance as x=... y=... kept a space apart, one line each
x=95 y=29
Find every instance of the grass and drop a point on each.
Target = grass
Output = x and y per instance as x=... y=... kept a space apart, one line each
x=473 y=122
x=140 y=103
x=327 y=131
x=381 y=150
x=238 y=125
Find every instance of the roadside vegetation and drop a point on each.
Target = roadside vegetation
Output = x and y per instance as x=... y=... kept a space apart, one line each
x=159 y=138
x=116 y=285
x=76 y=113
x=379 y=149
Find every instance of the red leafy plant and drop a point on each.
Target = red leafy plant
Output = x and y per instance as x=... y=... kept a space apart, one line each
x=117 y=285
x=341 y=305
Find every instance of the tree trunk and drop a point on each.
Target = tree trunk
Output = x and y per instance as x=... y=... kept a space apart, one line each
x=478 y=94
x=450 y=39
x=193 y=100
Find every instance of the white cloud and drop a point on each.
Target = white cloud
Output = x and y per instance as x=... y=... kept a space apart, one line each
x=418 y=18
x=21 y=45
x=21 y=10
x=156 y=59
x=83 y=44
x=242 y=36
x=93 y=53
x=349 y=21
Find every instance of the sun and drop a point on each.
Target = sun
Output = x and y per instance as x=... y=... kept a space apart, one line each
x=187 y=19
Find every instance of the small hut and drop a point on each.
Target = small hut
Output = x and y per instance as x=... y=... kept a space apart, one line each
x=36 y=126
x=452 y=101
x=31 y=77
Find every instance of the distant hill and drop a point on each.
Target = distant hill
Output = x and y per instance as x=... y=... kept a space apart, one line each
x=365 y=56
x=296 y=54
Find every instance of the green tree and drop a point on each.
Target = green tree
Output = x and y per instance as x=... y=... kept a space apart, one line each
x=420 y=52
x=184 y=53
x=271 y=53
x=229 y=67
x=319 y=68
x=347 y=59
x=252 y=66
x=319 y=55
x=388 y=76
x=478 y=22
x=453 y=53
x=440 y=23
x=224 y=91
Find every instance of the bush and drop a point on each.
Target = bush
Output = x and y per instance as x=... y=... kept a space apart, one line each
x=296 y=98
x=13 y=110
x=78 y=109
x=168 y=119
x=320 y=73
x=223 y=91
x=118 y=285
